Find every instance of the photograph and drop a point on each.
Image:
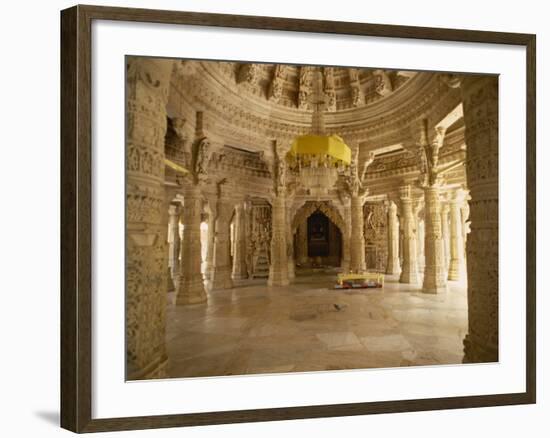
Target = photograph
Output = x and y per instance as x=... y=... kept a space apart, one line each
x=275 y=219
x=298 y=218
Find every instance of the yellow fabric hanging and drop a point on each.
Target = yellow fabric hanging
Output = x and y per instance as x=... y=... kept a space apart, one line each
x=175 y=166
x=330 y=145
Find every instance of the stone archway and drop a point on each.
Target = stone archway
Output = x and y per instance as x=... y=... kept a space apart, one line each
x=324 y=207
x=299 y=228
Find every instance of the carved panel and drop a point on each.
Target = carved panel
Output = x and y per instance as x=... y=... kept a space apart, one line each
x=376 y=235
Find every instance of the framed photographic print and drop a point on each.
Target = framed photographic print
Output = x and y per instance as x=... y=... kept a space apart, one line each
x=268 y=218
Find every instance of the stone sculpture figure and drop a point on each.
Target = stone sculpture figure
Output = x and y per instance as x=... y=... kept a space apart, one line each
x=303 y=92
x=248 y=73
x=203 y=156
x=276 y=87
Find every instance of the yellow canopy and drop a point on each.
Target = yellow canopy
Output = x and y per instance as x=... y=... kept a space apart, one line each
x=175 y=166
x=331 y=145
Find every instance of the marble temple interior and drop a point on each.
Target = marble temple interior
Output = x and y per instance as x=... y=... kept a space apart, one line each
x=250 y=187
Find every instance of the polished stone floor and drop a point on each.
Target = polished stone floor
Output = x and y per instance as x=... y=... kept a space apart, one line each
x=308 y=326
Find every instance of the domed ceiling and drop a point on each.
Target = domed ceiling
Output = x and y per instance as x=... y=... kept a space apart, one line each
x=291 y=86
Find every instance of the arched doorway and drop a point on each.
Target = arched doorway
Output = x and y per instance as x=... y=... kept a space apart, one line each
x=318 y=233
x=324 y=241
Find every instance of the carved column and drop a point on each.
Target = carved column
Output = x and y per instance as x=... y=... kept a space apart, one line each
x=435 y=272
x=392 y=265
x=221 y=275
x=302 y=243
x=147 y=84
x=173 y=240
x=419 y=226
x=457 y=267
x=480 y=101
x=190 y=287
x=357 y=262
x=465 y=213
x=210 y=239
x=290 y=246
x=239 y=256
x=446 y=234
x=278 y=270
x=346 y=237
x=409 y=270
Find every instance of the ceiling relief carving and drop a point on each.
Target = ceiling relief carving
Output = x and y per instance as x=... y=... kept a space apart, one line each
x=249 y=106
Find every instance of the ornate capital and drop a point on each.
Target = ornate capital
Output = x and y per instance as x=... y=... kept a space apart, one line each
x=275 y=90
x=458 y=196
x=179 y=125
x=173 y=210
x=382 y=82
x=427 y=145
x=248 y=73
x=405 y=193
x=304 y=87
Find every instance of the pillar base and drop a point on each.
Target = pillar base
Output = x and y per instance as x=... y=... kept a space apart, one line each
x=170 y=285
x=455 y=273
x=278 y=282
x=434 y=289
x=208 y=273
x=221 y=279
x=409 y=277
x=344 y=265
x=291 y=270
x=278 y=278
x=190 y=292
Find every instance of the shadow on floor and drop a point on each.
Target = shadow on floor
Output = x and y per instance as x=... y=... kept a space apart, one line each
x=51 y=417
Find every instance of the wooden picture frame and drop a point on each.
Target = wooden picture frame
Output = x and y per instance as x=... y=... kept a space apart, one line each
x=76 y=218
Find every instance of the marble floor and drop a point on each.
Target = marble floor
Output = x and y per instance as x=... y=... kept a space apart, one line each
x=308 y=326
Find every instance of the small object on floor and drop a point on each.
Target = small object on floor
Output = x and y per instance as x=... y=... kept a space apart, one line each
x=339 y=307
x=360 y=280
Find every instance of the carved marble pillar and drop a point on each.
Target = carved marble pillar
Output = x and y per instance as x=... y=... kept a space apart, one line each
x=435 y=272
x=392 y=265
x=278 y=269
x=239 y=255
x=190 y=286
x=346 y=238
x=302 y=244
x=357 y=259
x=290 y=247
x=457 y=266
x=444 y=212
x=147 y=84
x=480 y=102
x=221 y=274
x=210 y=239
x=173 y=240
x=419 y=226
x=420 y=239
x=409 y=269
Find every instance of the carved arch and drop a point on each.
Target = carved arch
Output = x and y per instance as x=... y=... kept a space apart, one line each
x=324 y=207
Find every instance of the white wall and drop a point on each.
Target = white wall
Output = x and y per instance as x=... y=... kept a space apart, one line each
x=29 y=280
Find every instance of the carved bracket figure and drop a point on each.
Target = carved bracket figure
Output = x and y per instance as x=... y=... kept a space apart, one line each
x=305 y=88
x=427 y=153
x=275 y=91
x=355 y=181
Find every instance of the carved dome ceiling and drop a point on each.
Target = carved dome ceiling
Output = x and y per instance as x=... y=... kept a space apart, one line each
x=290 y=85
